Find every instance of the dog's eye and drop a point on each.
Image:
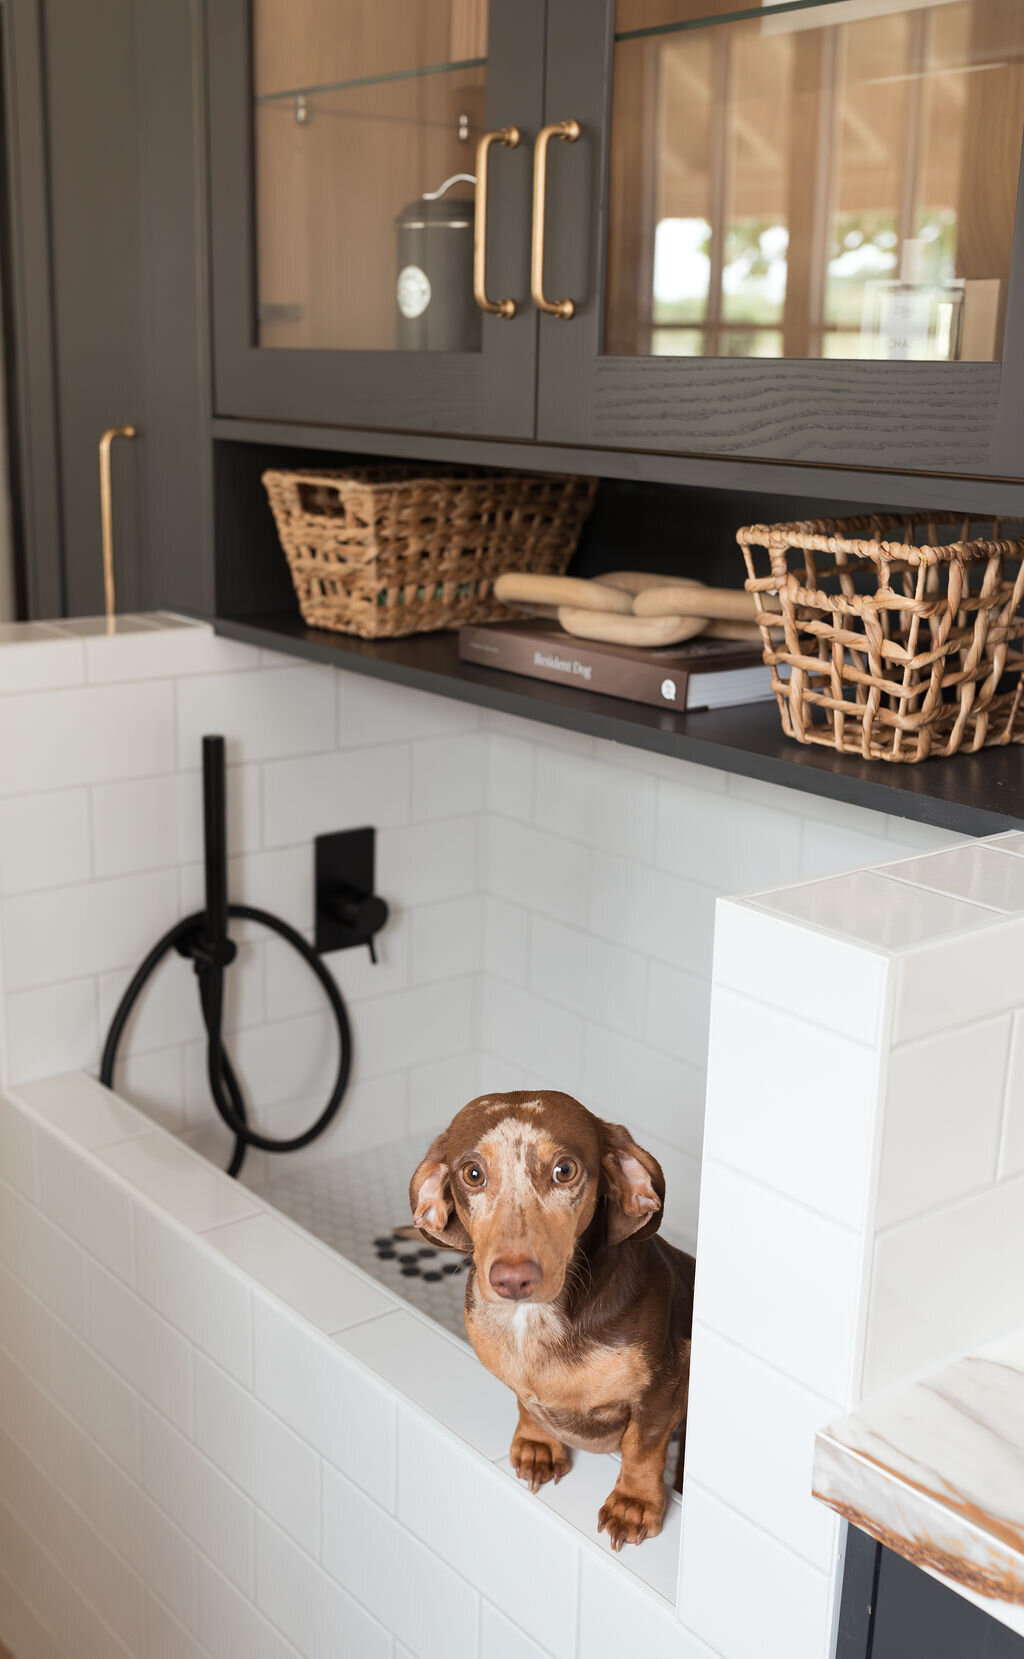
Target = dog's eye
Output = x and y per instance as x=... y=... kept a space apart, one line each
x=564 y=1172
x=473 y=1175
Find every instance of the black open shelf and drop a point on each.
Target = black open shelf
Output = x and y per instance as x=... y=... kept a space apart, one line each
x=971 y=794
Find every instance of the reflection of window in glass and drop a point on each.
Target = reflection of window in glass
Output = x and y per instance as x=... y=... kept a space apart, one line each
x=682 y=269
x=834 y=182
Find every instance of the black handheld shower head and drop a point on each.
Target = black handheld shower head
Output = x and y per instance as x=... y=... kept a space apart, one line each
x=203 y=938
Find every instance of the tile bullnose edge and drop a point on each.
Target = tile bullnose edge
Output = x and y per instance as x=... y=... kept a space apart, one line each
x=35 y=1098
x=764 y=906
x=871 y=918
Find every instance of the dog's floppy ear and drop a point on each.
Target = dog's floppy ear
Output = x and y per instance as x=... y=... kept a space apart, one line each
x=430 y=1197
x=634 y=1184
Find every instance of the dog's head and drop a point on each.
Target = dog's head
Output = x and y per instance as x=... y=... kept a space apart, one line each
x=517 y=1178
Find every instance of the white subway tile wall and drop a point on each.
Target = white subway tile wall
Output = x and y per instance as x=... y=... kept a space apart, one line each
x=101 y=847
x=579 y=878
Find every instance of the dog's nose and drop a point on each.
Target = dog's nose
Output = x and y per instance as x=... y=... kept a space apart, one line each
x=515 y=1280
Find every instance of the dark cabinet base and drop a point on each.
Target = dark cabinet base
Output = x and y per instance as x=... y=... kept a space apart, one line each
x=892 y=1610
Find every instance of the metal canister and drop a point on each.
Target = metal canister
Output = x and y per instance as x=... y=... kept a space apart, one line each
x=434 y=305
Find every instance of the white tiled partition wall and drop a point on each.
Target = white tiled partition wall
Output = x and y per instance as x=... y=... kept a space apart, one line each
x=862 y=1204
x=218 y=1440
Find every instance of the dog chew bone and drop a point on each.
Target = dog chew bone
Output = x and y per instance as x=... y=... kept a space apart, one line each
x=636 y=581
x=629 y=630
x=719 y=604
x=519 y=587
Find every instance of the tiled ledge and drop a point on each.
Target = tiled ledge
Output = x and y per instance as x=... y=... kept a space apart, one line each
x=933 y=1470
x=298 y=1423
x=50 y=656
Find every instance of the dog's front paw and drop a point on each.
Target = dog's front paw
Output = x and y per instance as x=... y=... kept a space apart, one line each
x=538 y=1461
x=628 y=1519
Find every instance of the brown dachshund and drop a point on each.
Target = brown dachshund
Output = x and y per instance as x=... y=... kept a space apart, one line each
x=570 y=1299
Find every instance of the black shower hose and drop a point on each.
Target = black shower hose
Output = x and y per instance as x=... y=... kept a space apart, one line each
x=203 y=938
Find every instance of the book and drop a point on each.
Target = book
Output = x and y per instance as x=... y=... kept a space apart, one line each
x=700 y=673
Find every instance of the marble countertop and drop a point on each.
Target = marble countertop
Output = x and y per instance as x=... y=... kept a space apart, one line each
x=935 y=1471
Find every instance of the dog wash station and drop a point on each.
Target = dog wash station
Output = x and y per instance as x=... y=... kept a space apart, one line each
x=263 y=1405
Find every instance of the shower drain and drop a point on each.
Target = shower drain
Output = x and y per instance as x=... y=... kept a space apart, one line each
x=417 y=1264
x=353 y=1203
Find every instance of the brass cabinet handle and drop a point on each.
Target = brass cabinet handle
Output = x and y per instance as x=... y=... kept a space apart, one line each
x=107 y=517
x=569 y=131
x=509 y=137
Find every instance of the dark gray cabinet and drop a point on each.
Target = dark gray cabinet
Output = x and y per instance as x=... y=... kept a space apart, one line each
x=788 y=233
x=891 y=1609
x=105 y=270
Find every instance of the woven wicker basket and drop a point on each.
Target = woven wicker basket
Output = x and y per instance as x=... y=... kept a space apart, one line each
x=381 y=552
x=901 y=636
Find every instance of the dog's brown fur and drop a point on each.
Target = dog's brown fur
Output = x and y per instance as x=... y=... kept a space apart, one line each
x=598 y=1354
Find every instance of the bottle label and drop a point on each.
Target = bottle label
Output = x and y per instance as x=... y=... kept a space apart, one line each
x=903 y=325
x=412 y=291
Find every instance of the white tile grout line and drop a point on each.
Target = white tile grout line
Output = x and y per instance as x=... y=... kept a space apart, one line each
x=783 y=1197
x=801 y=1017
x=1016 y=1028
x=950 y=1206
x=79 y=1594
x=822 y=1572
x=869 y=1231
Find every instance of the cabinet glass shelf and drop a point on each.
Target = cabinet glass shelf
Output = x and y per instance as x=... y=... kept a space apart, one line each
x=728 y=14
x=415 y=73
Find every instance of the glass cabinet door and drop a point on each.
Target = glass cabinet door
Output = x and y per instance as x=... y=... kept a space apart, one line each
x=796 y=182
x=344 y=139
x=363 y=173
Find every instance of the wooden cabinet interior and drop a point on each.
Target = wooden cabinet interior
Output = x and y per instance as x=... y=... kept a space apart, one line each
x=358 y=111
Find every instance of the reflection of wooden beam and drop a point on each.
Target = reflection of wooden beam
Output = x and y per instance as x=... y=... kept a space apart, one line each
x=910 y=180
x=636 y=158
x=876 y=151
x=679 y=67
x=721 y=85
x=991 y=146
x=468 y=29
x=809 y=190
x=683 y=130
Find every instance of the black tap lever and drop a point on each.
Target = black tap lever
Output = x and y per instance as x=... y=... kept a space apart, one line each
x=358 y=915
x=348 y=911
